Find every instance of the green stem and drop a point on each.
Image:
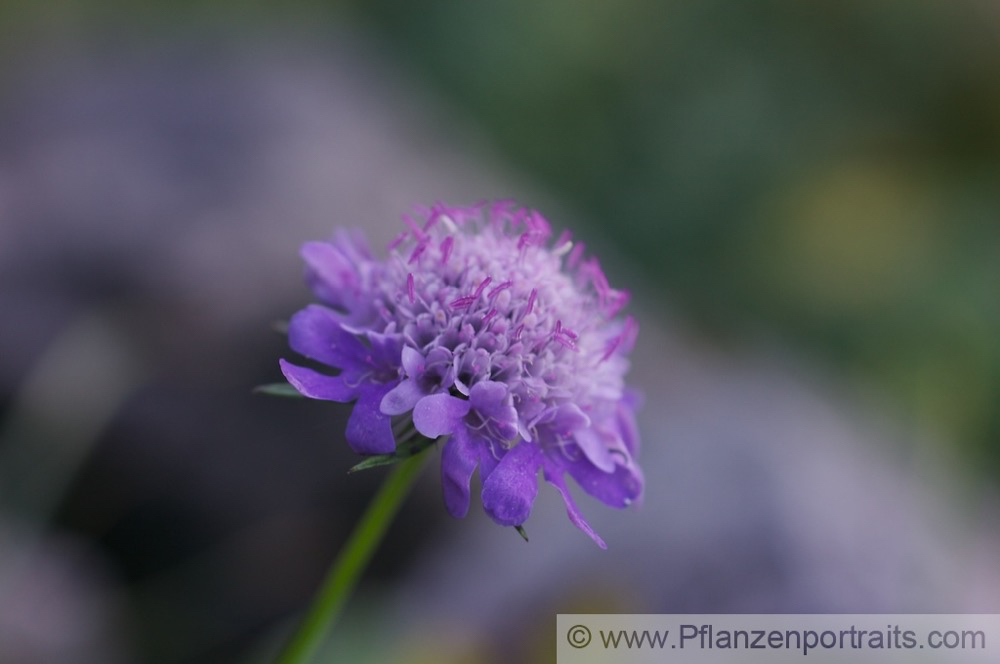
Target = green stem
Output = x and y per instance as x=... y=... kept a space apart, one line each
x=346 y=570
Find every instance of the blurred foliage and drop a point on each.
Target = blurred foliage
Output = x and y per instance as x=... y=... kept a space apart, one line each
x=827 y=170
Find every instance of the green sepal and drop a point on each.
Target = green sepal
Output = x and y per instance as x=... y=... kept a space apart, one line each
x=278 y=390
x=520 y=531
x=410 y=448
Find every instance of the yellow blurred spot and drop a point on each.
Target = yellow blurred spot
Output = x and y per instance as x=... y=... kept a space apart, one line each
x=855 y=236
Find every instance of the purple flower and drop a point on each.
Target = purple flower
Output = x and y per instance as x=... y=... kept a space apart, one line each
x=479 y=328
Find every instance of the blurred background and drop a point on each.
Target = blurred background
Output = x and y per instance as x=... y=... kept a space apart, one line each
x=804 y=199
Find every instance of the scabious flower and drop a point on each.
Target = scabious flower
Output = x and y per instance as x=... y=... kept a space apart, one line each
x=480 y=328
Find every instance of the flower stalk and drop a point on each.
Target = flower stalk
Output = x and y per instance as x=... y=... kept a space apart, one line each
x=347 y=569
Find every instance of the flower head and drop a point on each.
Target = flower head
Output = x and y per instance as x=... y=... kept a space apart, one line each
x=482 y=328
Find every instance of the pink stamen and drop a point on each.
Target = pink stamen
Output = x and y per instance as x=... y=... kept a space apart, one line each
x=479 y=205
x=623 y=340
x=518 y=331
x=499 y=210
x=611 y=347
x=418 y=250
x=496 y=291
x=461 y=214
x=630 y=332
x=490 y=314
x=397 y=241
x=410 y=287
x=539 y=226
x=531 y=301
x=438 y=210
x=482 y=287
x=418 y=232
x=597 y=276
x=518 y=217
x=592 y=269
x=575 y=255
x=568 y=343
x=446 y=245
x=465 y=301
x=616 y=302
x=563 y=336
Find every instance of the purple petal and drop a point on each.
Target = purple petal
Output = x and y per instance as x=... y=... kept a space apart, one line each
x=489 y=398
x=510 y=490
x=486 y=393
x=524 y=431
x=619 y=488
x=569 y=418
x=316 y=333
x=331 y=274
x=626 y=421
x=369 y=430
x=353 y=244
x=554 y=477
x=413 y=362
x=458 y=461
x=316 y=385
x=439 y=414
x=593 y=447
x=402 y=398
x=471 y=364
x=489 y=459
x=385 y=351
